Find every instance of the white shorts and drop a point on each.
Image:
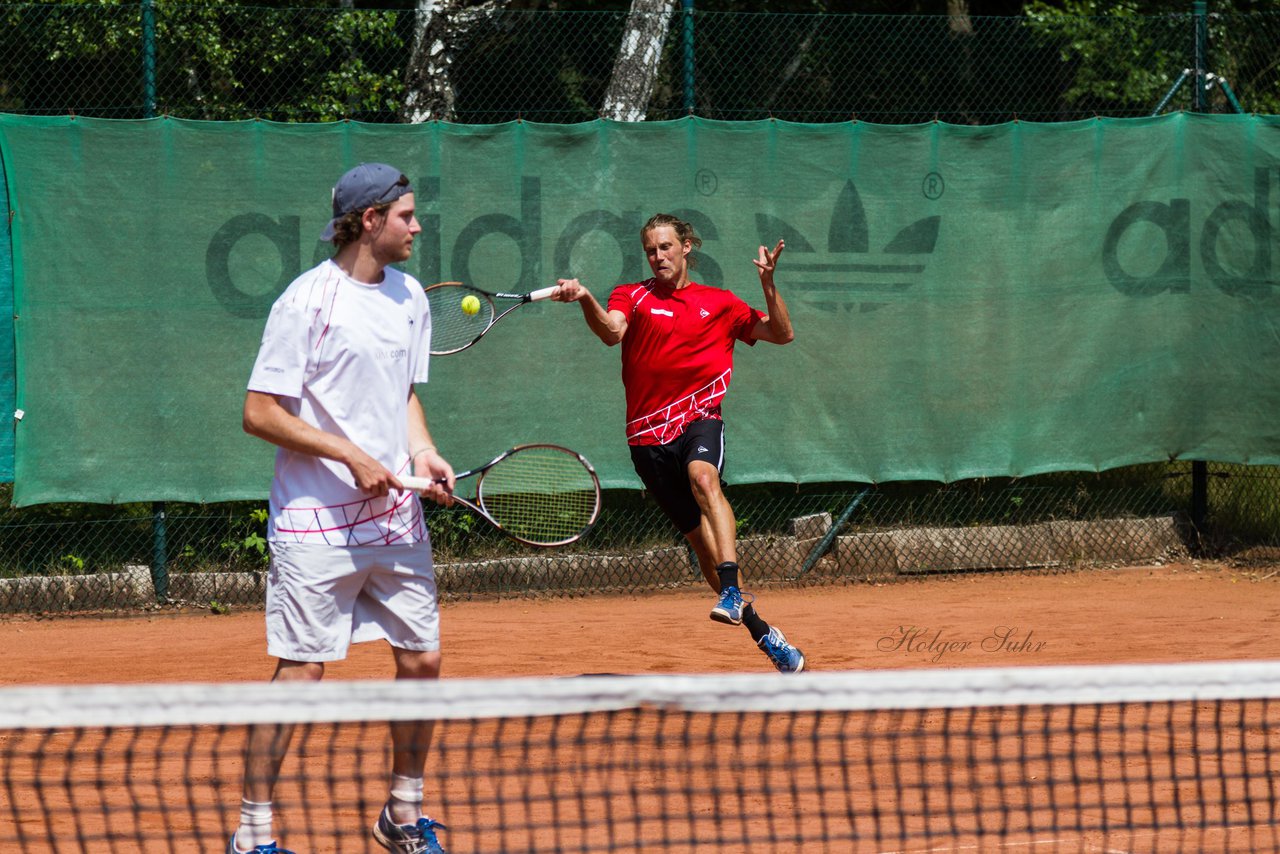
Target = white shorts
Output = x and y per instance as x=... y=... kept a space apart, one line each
x=321 y=599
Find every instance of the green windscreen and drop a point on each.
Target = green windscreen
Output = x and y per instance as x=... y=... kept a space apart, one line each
x=968 y=301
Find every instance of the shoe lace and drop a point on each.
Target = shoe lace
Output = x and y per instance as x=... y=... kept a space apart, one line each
x=426 y=830
x=731 y=598
x=777 y=651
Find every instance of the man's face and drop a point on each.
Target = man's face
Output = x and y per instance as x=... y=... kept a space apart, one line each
x=667 y=254
x=393 y=232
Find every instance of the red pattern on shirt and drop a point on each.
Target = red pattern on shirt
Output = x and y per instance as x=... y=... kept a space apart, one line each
x=677 y=354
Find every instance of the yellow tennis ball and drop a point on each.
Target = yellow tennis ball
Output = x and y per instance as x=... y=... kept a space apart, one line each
x=470 y=304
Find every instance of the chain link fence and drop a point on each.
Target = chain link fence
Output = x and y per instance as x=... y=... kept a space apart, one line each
x=227 y=62
x=222 y=62
x=65 y=558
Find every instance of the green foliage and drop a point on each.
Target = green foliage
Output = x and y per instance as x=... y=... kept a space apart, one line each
x=246 y=542
x=451 y=530
x=1120 y=57
x=285 y=64
x=217 y=60
x=1128 y=55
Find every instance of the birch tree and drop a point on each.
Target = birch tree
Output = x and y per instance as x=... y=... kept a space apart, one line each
x=639 y=55
x=439 y=27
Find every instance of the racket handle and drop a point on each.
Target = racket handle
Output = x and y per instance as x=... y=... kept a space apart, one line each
x=542 y=293
x=417 y=484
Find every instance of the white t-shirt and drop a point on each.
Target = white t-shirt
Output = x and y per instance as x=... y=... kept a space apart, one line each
x=343 y=356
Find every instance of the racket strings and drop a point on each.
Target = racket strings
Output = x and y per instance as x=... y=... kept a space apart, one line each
x=451 y=327
x=542 y=495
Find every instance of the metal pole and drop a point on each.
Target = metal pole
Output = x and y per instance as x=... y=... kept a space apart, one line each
x=148 y=59
x=1199 y=468
x=1199 y=499
x=1200 y=19
x=821 y=548
x=1231 y=96
x=687 y=5
x=159 y=556
x=1172 y=89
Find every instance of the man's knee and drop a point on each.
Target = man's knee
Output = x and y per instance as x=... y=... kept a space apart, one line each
x=413 y=664
x=705 y=482
x=298 y=671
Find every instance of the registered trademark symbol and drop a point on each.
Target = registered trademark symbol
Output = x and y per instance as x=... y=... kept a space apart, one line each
x=933 y=186
x=705 y=181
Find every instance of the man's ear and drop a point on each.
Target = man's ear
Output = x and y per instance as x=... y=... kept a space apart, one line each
x=371 y=220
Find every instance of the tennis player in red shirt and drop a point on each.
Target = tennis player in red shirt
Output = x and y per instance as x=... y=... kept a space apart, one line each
x=677 y=341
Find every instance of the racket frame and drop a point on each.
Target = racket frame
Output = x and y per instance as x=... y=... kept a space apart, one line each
x=494 y=316
x=418 y=484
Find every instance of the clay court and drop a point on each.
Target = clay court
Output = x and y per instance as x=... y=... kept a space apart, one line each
x=1174 y=613
x=517 y=801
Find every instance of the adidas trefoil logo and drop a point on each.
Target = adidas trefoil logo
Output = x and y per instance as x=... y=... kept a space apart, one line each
x=834 y=281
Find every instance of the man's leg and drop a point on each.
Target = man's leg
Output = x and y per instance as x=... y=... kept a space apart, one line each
x=402 y=825
x=715 y=544
x=410 y=740
x=718 y=528
x=263 y=756
x=706 y=561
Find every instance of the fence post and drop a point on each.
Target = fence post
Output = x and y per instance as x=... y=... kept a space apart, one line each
x=687 y=5
x=1199 y=500
x=148 y=59
x=1201 y=36
x=1199 y=468
x=159 y=557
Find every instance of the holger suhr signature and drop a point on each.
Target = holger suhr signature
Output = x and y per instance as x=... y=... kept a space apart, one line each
x=934 y=643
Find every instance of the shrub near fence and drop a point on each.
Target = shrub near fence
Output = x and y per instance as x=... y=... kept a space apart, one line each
x=93 y=558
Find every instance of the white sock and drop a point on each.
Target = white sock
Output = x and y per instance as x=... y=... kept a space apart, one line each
x=406 y=799
x=255 y=825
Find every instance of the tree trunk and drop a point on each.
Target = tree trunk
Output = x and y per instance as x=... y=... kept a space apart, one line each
x=961 y=26
x=639 y=54
x=439 y=27
x=958 y=13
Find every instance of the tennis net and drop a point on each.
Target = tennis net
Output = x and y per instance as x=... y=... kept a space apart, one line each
x=1179 y=757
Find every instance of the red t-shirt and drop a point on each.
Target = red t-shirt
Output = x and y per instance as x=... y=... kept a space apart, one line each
x=677 y=354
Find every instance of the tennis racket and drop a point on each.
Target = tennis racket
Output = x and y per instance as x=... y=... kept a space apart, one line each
x=541 y=495
x=453 y=329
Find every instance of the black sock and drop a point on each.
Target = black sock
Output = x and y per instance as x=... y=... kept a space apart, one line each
x=758 y=627
x=728 y=572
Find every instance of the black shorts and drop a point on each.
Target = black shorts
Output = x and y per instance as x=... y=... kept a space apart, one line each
x=664 y=469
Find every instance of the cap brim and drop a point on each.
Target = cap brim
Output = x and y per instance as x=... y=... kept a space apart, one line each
x=327 y=234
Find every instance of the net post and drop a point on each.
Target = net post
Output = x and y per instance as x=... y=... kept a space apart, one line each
x=825 y=543
x=159 y=558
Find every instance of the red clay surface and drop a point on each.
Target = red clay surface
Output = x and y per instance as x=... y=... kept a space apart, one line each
x=1147 y=614
x=1178 y=613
